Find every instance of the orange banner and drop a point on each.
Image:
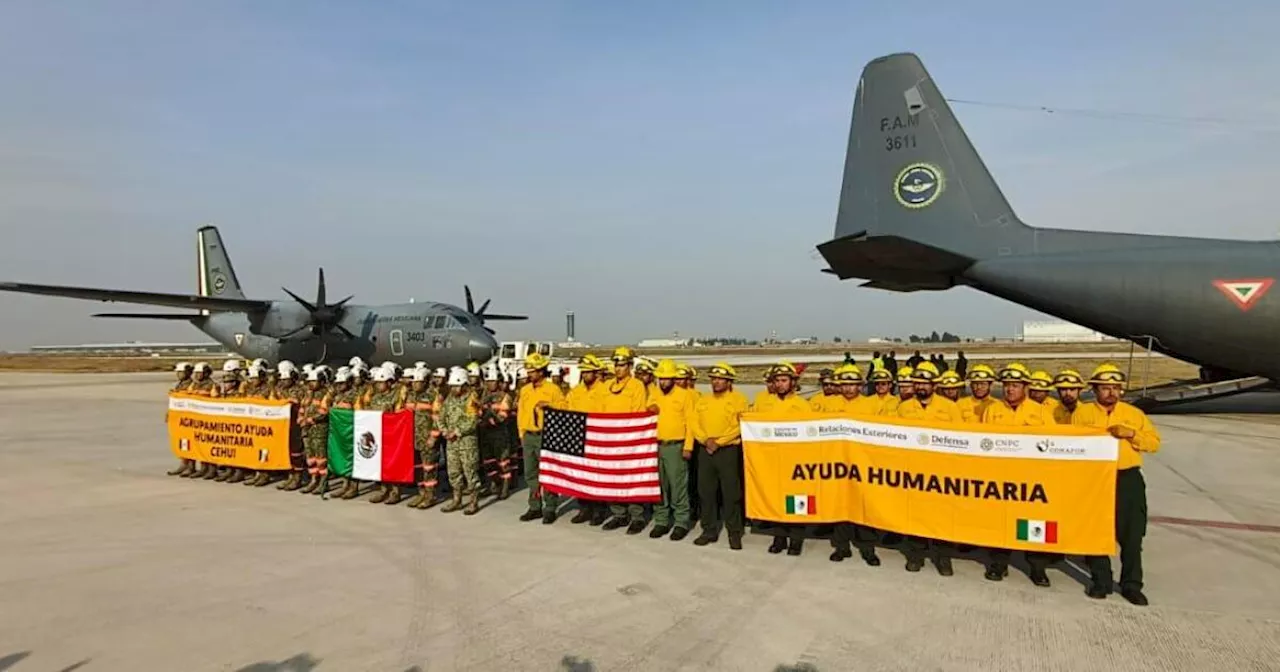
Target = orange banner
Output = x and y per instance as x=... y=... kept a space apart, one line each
x=247 y=433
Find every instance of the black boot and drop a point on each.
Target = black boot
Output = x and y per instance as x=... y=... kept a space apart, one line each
x=779 y=545
x=658 y=531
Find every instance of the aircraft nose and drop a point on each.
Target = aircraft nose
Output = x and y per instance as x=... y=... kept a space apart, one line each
x=482 y=346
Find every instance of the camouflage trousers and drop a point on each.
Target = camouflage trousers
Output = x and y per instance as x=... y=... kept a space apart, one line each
x=428 y=459
x=495 y=454
x=315 y=444
x=464 y=464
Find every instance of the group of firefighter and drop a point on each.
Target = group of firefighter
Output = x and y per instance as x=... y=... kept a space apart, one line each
x=481 y=420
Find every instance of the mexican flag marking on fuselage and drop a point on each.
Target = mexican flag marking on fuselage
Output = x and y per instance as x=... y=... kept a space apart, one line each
x=1244 y=292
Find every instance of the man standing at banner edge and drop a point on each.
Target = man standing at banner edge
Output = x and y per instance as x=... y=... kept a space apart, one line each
x=534 y=398
x=787 y=537
x=674 y=406
x=717 y=428
x=1137 y=435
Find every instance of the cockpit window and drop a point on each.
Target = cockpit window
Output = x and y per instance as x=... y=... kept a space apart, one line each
x=438 y=322
x=465 y=320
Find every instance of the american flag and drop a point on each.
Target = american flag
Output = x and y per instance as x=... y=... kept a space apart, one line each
x=600 y=456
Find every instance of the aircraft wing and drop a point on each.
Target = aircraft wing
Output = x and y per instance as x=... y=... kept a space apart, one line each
x=211 y=303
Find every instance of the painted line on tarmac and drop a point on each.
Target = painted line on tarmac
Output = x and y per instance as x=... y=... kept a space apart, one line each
x=1218 y=524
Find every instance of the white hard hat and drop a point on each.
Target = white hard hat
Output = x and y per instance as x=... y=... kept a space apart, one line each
x=254 y=372
x=359 y=366
x=182 y=366
x=457 y=376
x=286 y=368
x=202 y=366
x=407 y=374
x=355 y=361
x=306 y=368
x=491 y=373
x=318 y=373
x=231 y=365
x=389 y=365
x=343 y=375
x=419 y=375
x=439 y=373
x=258 y=363
x=381 y=375
x=419 y=365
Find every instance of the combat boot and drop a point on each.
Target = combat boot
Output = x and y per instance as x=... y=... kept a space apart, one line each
x=454 y=504
x=393 y=496
x=382 y=494
x=188 y=468
x=505 y=490
x=351 y=491
x=237 y=476
x=223 y=474
x=415 y=501
x=182 y=466
x=292 y=483
x=473 y=504
x=210 y=472
x=428 y=498
x=251 y=477
x=311 y=485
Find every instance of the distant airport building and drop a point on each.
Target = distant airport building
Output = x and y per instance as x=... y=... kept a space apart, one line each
x=1056 y=331
x=663 y=343
x=129 y=348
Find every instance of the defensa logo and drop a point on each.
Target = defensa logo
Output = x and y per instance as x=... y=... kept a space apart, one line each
x=918 y=186
x=926 y=439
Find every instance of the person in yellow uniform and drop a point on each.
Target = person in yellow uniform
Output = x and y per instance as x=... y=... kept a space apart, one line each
x=585 y=397
x=643 y=368
x=1137 y=436
x=787 y=537
x=854 y=404
x=624 y=394
x=1015 y=409
x=828 y=399
x=980 y=379
x=536 y=397
x=1068 y=383
x=906 y=389
x=674 y=406
x=925 y=405
x=1041 y=386
x=717 y=430
x=882 y=391
x=689 y=381
x=949 y=385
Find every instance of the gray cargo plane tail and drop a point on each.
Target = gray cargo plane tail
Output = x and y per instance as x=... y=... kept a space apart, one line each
x=300 y=330
x=919 y=211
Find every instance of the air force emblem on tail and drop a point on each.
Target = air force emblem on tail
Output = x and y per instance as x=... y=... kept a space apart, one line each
x=918 y=185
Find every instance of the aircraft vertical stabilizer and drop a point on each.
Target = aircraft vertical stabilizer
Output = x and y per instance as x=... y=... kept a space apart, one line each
x=215 y=275
x=910 y=171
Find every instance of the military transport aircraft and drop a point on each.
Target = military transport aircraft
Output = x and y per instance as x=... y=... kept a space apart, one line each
x=919 y=211
x=440 y=334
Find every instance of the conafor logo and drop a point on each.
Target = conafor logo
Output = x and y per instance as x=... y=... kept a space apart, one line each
x=1048 y=446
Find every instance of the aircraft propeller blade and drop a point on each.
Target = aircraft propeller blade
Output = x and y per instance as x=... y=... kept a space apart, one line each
x=498 y=317
x=480 y=313
x=324 y=317
x=471 y=306
x=320 y=290
x=299 y=299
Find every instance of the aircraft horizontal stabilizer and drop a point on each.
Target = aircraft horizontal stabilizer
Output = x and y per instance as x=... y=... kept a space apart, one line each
x=153 y=316
x=145 y=298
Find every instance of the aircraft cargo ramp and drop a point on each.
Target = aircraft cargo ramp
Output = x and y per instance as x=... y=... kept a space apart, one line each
x=1183 y=391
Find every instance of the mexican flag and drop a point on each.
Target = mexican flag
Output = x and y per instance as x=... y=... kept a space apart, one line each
x=371 y=445
x=802 y=505
x=1038 y=531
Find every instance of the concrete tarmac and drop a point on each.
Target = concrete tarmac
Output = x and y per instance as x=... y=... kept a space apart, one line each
x=108 y=564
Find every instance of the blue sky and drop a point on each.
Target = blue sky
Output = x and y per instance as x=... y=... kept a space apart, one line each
x=655 y=167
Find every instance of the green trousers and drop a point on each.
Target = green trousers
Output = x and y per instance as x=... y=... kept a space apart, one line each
x=1131 y=527
x=538 y=499
x=721 y=474
x=673 y=475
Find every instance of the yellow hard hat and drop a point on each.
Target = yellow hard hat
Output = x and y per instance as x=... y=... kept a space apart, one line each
x=1041 y=381
x=925 y=372
x=536 y=361
x=783 y=369
x=950 y=380
x=644 y=365
x=1107 y=374
x=981 y=372
x=623 y=354
x=589 y=363
x=1068 y=379
x=848 y=373
x=667 y=369
x=904 y=372
x=723 y=371
x=826 y=376
x=880 y=375
x=689 y=372
x=1015 y=373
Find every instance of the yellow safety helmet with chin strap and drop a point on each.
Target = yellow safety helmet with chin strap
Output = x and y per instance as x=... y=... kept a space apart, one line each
x=722 y=371
x=1015 y=373
x=1108 y=374
x=925 y=372
x=950 y=380
x=1068 y=379
x=667 y=369
x=848 y=373
x=981 y=373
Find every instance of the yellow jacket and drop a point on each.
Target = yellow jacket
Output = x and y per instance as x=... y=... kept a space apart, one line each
x=940 y=409
x=528 y=416
x=826 y=403
x=623 y=396
x=675 y=415
x=717 y=416
x=582 y=398
x=1061 y=414
x=1027 y=414
x=859 y=405
x=971 y=408
x=1145 y=440
x=888 y=403
x=1050 y=404
x=772 y=403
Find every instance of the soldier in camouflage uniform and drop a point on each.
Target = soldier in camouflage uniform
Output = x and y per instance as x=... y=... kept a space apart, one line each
x=421 y=399
x=183 y=371
x=383 y=397
x=314 y=421
x=289 y=389
x=457 y=424
x=202 y=385
x=496 y=413
x=230 y=387
x=345 y=394
x=255 y=387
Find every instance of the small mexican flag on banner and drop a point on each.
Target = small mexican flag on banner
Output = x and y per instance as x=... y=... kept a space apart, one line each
x=371 y=445
x=802 y=505
x=1038 y=531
